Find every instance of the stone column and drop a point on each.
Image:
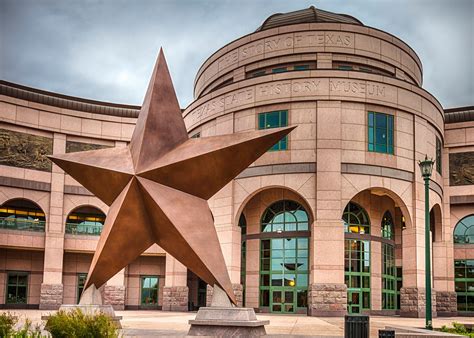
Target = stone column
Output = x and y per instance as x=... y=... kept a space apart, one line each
x=51 y=295
x=412 y=294
x=327 y=291
x=175 y=291
x=114 y=291
x=446 y=299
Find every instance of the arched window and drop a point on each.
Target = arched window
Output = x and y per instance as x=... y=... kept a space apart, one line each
x=387 y=226
x=464 y=231
x=22 y=214
x=356 y=219
x=85 y=220
x=283 y=216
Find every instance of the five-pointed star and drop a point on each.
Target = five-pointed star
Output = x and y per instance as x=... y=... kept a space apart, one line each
x=157 y=187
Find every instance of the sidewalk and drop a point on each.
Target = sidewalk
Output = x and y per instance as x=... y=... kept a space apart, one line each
x=161 y=323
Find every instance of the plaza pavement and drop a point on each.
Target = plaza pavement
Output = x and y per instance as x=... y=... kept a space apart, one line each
x=161 y=323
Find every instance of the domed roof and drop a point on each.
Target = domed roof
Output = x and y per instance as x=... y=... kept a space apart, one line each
x=308 y=15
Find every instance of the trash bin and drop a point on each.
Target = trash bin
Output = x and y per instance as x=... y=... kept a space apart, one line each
x=356 y=326
x=386 y=333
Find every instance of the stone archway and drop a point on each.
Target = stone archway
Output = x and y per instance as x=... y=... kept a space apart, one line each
x=252 y=209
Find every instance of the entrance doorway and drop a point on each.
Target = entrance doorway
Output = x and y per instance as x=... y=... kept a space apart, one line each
x=197 y=294
x=283 y=300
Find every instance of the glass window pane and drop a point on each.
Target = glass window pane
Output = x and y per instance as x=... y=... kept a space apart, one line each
x=283 y=118
x=302 y=298
x=371 y=119
x=272 y=120
x=261 y=121
x=381 y=121
x=265 y=298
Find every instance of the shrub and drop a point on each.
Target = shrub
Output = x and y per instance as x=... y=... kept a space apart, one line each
x=7 y=324
x=457 y=328
x=71 y=324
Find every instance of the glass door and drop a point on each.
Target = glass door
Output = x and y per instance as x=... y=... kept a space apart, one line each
x=354 y=303
x=283 y=300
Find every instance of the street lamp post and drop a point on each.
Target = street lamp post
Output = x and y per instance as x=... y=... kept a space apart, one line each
x=426 y=167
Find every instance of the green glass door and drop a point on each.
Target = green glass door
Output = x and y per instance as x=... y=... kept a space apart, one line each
x=283 y=300
x=354 y=302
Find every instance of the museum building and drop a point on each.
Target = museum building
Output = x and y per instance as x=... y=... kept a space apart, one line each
x=330 y=220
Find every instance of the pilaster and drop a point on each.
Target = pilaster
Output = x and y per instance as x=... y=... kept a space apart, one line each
x=51 y=294
x=175 y=291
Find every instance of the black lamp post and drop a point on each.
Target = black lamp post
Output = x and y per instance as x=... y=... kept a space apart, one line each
x=426 y=167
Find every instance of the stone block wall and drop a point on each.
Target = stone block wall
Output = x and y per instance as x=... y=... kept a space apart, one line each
x=114 y=295
x=175 y=298
x=446 y=303
x=327 y=300
x=51 y=296
x=413 y=300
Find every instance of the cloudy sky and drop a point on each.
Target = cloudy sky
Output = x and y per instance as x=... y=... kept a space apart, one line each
x=105 y=49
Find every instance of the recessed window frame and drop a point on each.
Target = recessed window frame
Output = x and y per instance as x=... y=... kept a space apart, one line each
x=375 y=130
x=439 y=151
x=144 y=289
x=81 y=280
x=263 y=123
x=16 y=285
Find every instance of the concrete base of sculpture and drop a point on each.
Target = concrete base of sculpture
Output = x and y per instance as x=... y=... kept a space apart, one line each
x=91 y=304
x=221 y=319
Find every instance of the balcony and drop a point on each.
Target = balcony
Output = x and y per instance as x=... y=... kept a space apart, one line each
x=84 y=229
x=22 y=224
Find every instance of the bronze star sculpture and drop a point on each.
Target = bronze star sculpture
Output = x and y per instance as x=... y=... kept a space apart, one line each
x=158 y=186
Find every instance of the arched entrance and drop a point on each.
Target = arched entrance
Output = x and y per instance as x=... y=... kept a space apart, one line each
x=374 y=221
x=275 y=227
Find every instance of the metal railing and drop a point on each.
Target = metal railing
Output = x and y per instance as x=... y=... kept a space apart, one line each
x=22 y=224
x=83 y=229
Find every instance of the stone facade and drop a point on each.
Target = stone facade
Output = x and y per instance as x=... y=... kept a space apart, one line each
x=175 y=298
x=413 y=302
x=327 y=300
x=51 y=296
x=325 y=165
x=446 y=303
x=115 y=296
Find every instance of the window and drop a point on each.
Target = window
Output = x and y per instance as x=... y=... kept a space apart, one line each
x=85 y=221
x=22 y=215
x=389 y=278
x=380 y=138
x=464 y=284
x=283 y=216
x=259 y=73
x=356 y=219
x=387 y=226
x=464 y=231
x=17 y=288
x=344 y=67
x=399 y=285
x=301 y=67
x=438 y=155
x=81 y=281
x=197 y=135
x=243 y=255
x=149 y=294
x=279 y=70
x=275 y=119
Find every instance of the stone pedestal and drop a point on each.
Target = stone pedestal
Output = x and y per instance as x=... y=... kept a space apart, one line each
x=327 y=300
x=51 y=296
x=446 y=303
x=175 y=298
x=114 y=295
x=222 y=319
x=227 y=322
x=412 y=302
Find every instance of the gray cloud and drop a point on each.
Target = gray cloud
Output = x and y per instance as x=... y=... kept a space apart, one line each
x=105 y=49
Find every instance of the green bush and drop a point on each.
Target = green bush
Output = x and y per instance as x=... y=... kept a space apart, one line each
x=72 y=324
x=7 y=324
x=457 y=328
x=7 y=327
